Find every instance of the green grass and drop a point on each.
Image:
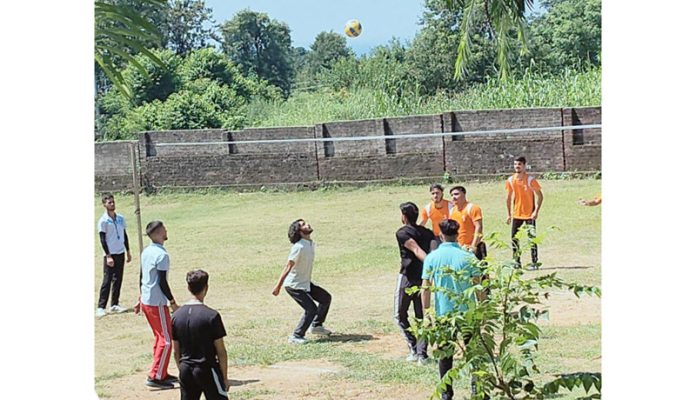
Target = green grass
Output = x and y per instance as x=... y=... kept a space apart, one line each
x=241 y=240
x=568 y=89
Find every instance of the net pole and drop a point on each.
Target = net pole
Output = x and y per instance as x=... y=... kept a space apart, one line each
x=136 y=194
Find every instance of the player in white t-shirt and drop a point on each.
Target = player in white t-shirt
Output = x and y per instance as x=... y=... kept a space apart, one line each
x=296 y=278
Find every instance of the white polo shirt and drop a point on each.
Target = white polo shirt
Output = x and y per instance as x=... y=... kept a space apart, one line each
x=153 y=259
x=115 y=232
x=302 y=254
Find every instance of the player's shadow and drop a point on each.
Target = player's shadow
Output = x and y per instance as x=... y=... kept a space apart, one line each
x=234 y=382
x=567 y=267
x=347 y=337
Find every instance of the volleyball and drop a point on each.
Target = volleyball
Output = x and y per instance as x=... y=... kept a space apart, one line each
x=353 y=28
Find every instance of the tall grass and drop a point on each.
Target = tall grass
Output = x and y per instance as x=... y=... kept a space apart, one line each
x=569 y=89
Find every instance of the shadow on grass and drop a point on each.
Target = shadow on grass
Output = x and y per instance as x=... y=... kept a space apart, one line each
x=348 y=337
x=234 y=382
x=567 y=267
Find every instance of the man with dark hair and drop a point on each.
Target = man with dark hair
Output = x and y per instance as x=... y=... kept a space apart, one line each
x=114 y=242
x=523 y=188
x=448 y=256
x=154 y=295
x=437 y=210
x=199 y=348
x=297 y=280
x=414 y=241
x=470 y=219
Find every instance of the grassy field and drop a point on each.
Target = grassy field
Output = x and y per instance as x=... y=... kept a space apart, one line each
x=241 y=240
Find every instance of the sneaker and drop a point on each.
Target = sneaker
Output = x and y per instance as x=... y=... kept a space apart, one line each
x=292 y=339
x=117 y=309
x=422 y=360
x=533 y=267
x=412 y=357
x=319 y=330
x=159 y=383
x=100 y=312
x=171 y=379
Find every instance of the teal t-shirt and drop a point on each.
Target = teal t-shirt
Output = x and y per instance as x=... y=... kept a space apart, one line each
x=451 y=255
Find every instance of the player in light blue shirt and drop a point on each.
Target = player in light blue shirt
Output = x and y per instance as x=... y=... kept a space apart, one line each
x=448 y=256
x=114 y=240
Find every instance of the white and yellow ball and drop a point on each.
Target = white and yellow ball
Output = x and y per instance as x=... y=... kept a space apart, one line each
x=353 y=28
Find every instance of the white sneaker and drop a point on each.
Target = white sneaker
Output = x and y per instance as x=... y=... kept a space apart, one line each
x=412 y=357
x=319 y=330
x=424 y=360
x=100 y=312
x=117 y=309
x=292 y=339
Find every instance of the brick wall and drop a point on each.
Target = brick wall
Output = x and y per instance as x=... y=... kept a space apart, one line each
x=582 y=147
x=113 y=166
x=491 y=153
x=310 y=163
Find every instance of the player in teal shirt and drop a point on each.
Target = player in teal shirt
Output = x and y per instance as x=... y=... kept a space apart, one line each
x=449 y=255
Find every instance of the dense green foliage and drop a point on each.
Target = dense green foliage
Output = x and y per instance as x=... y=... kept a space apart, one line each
x=256 y=78
x=203 y=90
x=569 y=88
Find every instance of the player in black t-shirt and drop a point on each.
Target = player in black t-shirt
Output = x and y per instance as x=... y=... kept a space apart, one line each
x=199 y=349
x=415 y=241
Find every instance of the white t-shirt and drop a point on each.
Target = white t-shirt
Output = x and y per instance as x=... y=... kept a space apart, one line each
x=302 y=254
x=115 y=232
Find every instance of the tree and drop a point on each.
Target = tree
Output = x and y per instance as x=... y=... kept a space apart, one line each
x=260 y=46
x=120 y=32
x=501 y=19
x=568 y=33
x=430 y=56
x=158 y=80
x=186 y=26
x=328 y=47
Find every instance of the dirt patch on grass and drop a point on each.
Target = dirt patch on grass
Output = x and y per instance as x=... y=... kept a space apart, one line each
x=306 y=379
x=565 y=309
x=387 y=346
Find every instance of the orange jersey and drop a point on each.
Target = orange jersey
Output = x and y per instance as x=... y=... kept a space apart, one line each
x=466 y=217
x=436 y=215
x=523 y=193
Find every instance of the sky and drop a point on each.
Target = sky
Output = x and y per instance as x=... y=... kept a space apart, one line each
x=380 y=19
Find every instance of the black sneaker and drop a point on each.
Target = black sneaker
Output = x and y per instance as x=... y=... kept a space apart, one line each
x=159 y=383
x=171 y=379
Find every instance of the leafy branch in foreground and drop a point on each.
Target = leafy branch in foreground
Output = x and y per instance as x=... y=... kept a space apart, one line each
x=497 y=336
x=120 y=33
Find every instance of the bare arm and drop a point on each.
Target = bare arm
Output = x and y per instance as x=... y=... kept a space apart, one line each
x=222 y=360
x=425 y=294
x=478 y=233
x=415 y=249
x=283 y=275
x=508 y=202
x=540 y=199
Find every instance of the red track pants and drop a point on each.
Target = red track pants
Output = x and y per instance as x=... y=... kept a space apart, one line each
x=161 y=323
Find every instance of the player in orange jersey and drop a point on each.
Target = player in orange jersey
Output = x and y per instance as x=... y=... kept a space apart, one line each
x=437 y=210
x=470 y=219
x=525 y=190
